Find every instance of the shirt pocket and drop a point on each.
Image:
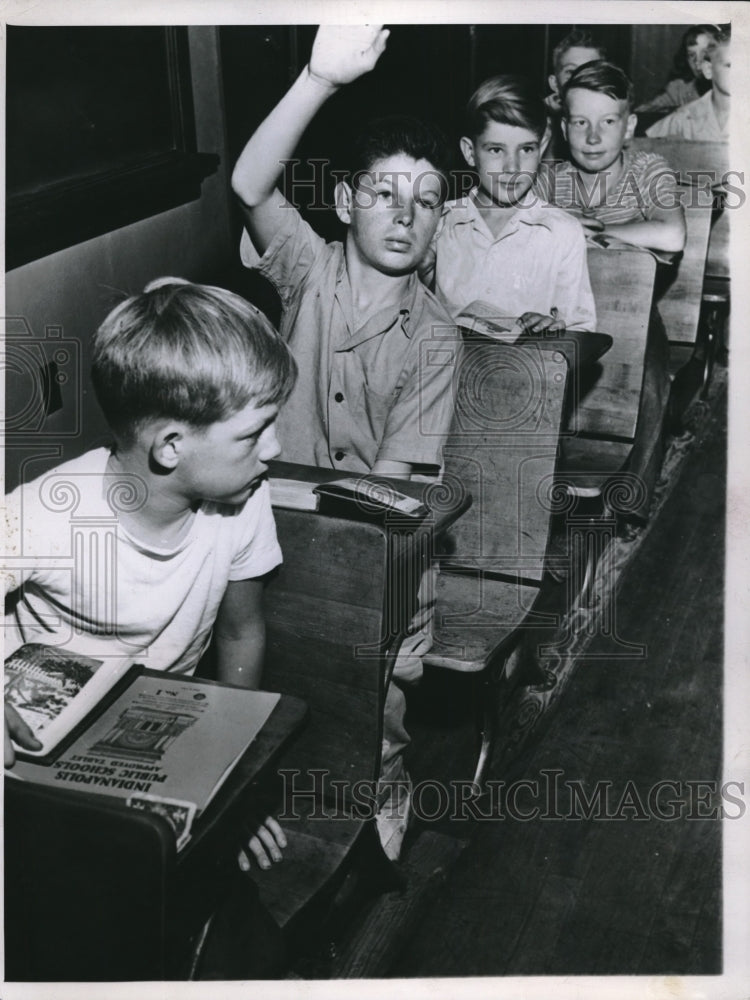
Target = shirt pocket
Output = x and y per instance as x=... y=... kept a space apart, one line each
x=377 y=406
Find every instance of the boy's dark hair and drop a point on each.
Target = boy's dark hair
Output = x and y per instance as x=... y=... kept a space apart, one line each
x=189 y=352
x=578 y=38
x=602 y=77
x=393 y=134
x=682 y=68
x=508 y=100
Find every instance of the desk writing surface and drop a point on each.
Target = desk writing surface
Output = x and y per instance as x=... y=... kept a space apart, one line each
x=580 y=347
x=443 y=509
x=285 y=722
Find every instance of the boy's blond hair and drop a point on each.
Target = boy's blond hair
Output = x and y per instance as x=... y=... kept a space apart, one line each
x=190 y=352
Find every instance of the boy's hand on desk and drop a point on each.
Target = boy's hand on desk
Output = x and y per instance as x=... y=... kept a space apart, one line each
x=16 y=728
x=265 y=845
x=587 y=218
x=343 y=53
x=590 y=224
x=536 y=322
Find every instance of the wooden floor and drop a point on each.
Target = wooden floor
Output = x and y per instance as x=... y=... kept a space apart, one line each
x=636 y=894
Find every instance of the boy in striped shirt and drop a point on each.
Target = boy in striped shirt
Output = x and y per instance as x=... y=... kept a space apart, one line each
x=627 y=196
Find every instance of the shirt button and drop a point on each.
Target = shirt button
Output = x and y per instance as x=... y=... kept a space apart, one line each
x=338 y=456
x=339 y=397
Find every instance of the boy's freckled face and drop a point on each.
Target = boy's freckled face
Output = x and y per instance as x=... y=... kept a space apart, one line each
x=596 y=127
x=226 y=461
x=393 y=213
x=506 y=158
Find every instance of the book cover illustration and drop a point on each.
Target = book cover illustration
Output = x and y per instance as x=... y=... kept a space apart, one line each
x=167 y=744
x=143 y=733
x=41 y=681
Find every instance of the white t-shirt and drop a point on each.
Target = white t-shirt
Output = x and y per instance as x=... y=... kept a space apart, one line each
x=92 y=588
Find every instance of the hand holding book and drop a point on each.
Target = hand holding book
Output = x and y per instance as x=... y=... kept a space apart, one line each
x=157 y=741
x=17 y=731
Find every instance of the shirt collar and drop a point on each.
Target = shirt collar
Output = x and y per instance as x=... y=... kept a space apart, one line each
x=531 y=210
x=384 y=319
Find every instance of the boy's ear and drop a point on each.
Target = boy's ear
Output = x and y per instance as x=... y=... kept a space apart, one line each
x=167 y=444
x=343 y=201
x=564 y=127
x=630 y=130
x=467 y=150
x=552 y=81
x=707 y=69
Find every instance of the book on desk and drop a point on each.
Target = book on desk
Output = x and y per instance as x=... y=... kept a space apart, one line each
x=363 y=495
x=159 y=742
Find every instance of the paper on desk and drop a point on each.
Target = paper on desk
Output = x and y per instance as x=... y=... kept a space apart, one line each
x=482 y=317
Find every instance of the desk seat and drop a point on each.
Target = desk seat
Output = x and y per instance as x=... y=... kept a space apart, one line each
x=590 y=463
x=502 y=448
x=336 y=612
x=483 y=619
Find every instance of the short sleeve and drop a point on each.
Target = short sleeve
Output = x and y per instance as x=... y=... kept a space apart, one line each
x=258 y=550
x=12 y=574
x=289 y=256
x=658 y=186
x=669 y=125
x=573 y=295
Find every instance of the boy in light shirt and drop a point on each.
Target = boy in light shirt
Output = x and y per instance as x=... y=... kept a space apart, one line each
x=707 y=118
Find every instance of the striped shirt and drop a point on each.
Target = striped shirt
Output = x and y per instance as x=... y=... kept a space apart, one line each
x=646 y=185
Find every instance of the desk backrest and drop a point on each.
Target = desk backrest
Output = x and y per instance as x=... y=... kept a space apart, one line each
x=623 y=285
x=700 y=163
x=679 y=303
x=502 y=448
x=326 y=633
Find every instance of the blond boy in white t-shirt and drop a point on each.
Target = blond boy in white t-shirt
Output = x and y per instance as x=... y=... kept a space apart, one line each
x=150 y=547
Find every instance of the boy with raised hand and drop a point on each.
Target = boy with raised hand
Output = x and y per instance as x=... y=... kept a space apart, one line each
x=190 y=379
x=371 y=397
x=354 y=314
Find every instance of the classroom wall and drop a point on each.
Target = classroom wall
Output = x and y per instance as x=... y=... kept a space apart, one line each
x=238 y=74
x=653 y=50
x=63 y=297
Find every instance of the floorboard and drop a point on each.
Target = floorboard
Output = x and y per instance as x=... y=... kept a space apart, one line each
x=602 y=896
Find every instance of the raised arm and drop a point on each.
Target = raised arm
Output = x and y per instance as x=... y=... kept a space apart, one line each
x=339 y=56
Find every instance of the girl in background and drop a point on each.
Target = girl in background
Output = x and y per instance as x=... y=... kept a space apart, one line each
x=687 y=82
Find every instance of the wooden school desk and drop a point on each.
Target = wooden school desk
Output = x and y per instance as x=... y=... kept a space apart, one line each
x=95 y=891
